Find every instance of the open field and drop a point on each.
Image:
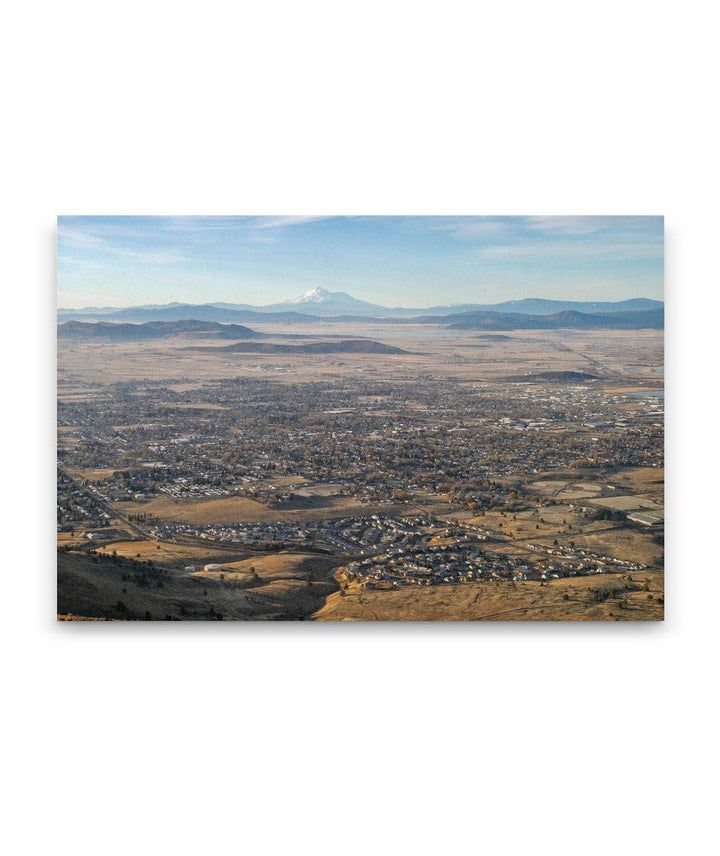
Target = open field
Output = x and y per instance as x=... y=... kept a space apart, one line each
x=226 y=510
x=275 y=568
x=627 y=503
x=167 y=554
x=241 y=510
x=607 y=598
x=634 y=356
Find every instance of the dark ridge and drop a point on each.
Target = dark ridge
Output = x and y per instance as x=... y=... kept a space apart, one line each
x=185 y=312
x=346 y=346
x=552 y=377
x=541 y=306
x=496 y=337
x=652 y=319
x=111 y=332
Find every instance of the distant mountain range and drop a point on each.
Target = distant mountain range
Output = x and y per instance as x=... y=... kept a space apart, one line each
x=338 y=305
x=343 y=346
x=652 y=319
x=112 y=331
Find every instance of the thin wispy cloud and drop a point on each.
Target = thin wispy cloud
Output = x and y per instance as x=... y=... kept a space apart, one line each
x=588 y=225
x=79 y=263
x=560 y=251
x=569 y=225
x=282 y=222
x=121 y=247
x=474 y=228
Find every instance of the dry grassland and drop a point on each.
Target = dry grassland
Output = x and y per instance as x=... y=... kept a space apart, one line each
x=600 y=598
x=634 y=355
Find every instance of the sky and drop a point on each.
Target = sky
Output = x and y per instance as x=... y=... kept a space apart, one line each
x=393 y=261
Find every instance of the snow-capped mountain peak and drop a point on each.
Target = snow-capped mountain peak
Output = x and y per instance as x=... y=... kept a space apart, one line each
x=315 y=295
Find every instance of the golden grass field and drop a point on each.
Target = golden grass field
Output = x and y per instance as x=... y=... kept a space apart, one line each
x=635 y=597
x=163 y=552
x=234 y=509
x=237 y=509
x=270 y=568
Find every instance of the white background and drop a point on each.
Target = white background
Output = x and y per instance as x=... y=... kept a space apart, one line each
x=358 y=739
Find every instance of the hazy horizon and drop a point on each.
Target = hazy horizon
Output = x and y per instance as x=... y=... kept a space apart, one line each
x=398 y=261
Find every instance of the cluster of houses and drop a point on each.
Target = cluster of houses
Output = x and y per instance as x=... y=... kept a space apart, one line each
x=363 y=535
x=378 y=437
x=77 y=507
x=566 y=558
x=463 y=561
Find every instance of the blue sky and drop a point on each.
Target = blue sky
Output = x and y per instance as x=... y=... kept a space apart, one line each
x=393 y=261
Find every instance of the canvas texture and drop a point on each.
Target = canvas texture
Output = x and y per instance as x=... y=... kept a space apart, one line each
x=306 y=418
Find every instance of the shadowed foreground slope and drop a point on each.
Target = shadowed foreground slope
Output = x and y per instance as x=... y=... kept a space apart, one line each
x=280 y=587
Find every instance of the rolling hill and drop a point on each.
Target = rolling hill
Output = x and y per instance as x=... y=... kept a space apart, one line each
x=343 y=346
x=652 y=319
x=113 y=332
